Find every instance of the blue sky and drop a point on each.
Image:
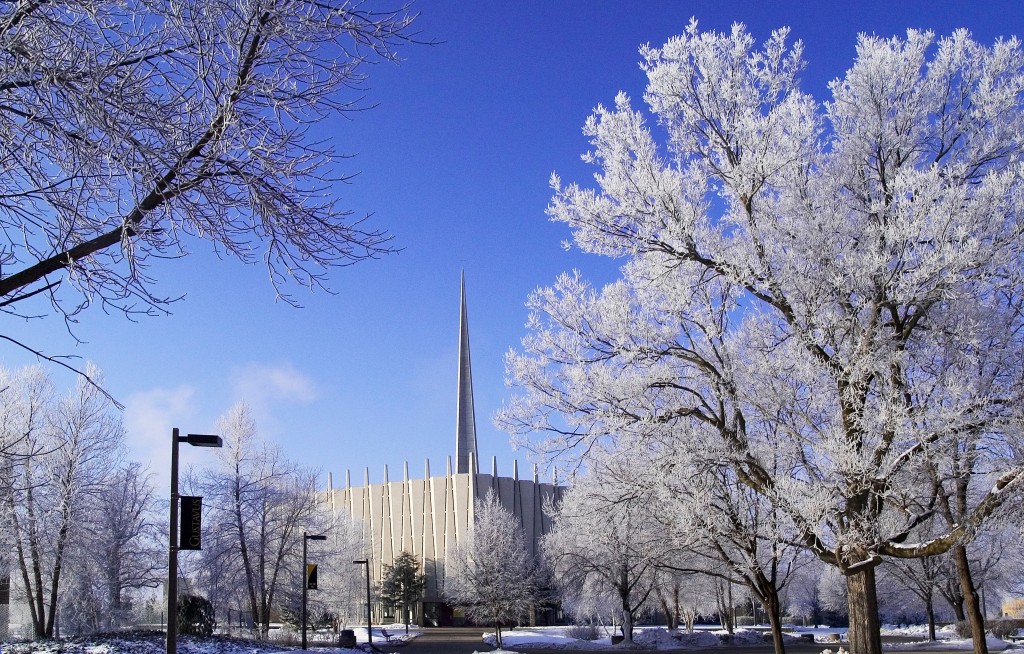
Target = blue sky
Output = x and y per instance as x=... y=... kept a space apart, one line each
x=454 y=160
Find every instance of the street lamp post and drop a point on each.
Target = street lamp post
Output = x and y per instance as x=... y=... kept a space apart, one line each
x=197 y=440
x=305 y=579
x=369 y=625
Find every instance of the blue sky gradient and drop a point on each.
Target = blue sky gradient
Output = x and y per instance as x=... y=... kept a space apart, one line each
x=454 y=160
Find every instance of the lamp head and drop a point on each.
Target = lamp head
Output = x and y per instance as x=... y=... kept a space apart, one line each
x=204 y=440
x=360 y=561
x=314 y=537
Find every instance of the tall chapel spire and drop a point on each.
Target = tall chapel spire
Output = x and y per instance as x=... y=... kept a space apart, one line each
x=465 y=431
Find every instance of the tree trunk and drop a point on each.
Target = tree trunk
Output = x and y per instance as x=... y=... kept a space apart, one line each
x=865 y=629
x=951 y=592
x=958 y=610
x=731 y=612
x=771 y=605
x=963 y=568
x=671 y=617
x=929 y=605
x=58 y=564
x=497 y=634
x=627 y=625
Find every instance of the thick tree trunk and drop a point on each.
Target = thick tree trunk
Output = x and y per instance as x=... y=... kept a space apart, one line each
x=963 y=568
x=771 y=606
x=627 y=625
x=671 y=616
x=865 y=629
x=731 y=611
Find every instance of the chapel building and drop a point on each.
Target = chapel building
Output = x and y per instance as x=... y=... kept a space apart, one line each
x=425 y=517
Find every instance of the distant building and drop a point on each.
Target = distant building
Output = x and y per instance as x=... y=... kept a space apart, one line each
x=1012 y=607
x=426 y=516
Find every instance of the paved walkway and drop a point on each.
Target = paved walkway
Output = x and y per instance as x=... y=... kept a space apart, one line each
x=444 y=640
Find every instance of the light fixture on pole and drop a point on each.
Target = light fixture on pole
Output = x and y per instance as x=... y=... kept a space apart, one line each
x=305 y=579
x=369 y=625
x=197 y=440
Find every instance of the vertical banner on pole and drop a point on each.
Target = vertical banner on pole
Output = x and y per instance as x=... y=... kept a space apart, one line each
x=311 y=576
x=191 y=523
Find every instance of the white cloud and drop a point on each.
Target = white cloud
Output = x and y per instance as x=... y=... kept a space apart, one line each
x=262 y=384
x=268 y=389
x=149 y=417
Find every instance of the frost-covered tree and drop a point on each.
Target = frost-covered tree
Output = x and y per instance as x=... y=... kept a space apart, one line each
x=922 y=577
x=1013 y=574
x=959 y=478
x=804 y=597
x=134 y=128
x=606 y=541
x=119 y=550
x=699 y=600
x=833 y=591
x=342 y=589
x=668 y=590
x=126 y=539
x=685 y=598
x=489 y=573
x=70 y=450
x=260 y=503
x=733 y=532
x=340 y=597
x=823 y=296
x=726 y=609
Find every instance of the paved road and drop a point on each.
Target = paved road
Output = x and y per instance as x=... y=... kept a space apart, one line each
x=445 y=640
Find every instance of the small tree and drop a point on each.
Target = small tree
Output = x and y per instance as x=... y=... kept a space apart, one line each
x=606 y=544
x=67 y=450
x=489 y=574
x=195 y=615
x=260 y=503
x=402 y=584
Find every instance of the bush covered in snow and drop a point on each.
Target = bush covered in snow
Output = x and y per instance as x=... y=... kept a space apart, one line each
x=583 y=632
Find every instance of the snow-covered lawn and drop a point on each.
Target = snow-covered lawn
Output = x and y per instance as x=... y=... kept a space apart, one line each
x=647 y=637
x=947 y=639
x=153 y=643
x=709 y=637
x=150 y=643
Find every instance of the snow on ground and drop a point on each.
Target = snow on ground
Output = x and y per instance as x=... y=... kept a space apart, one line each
x=952 y=644
x=149 y=643
x=705 y=637
x=154 y=643
x=396 y=633
x=655 y=638
x=658 y=638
